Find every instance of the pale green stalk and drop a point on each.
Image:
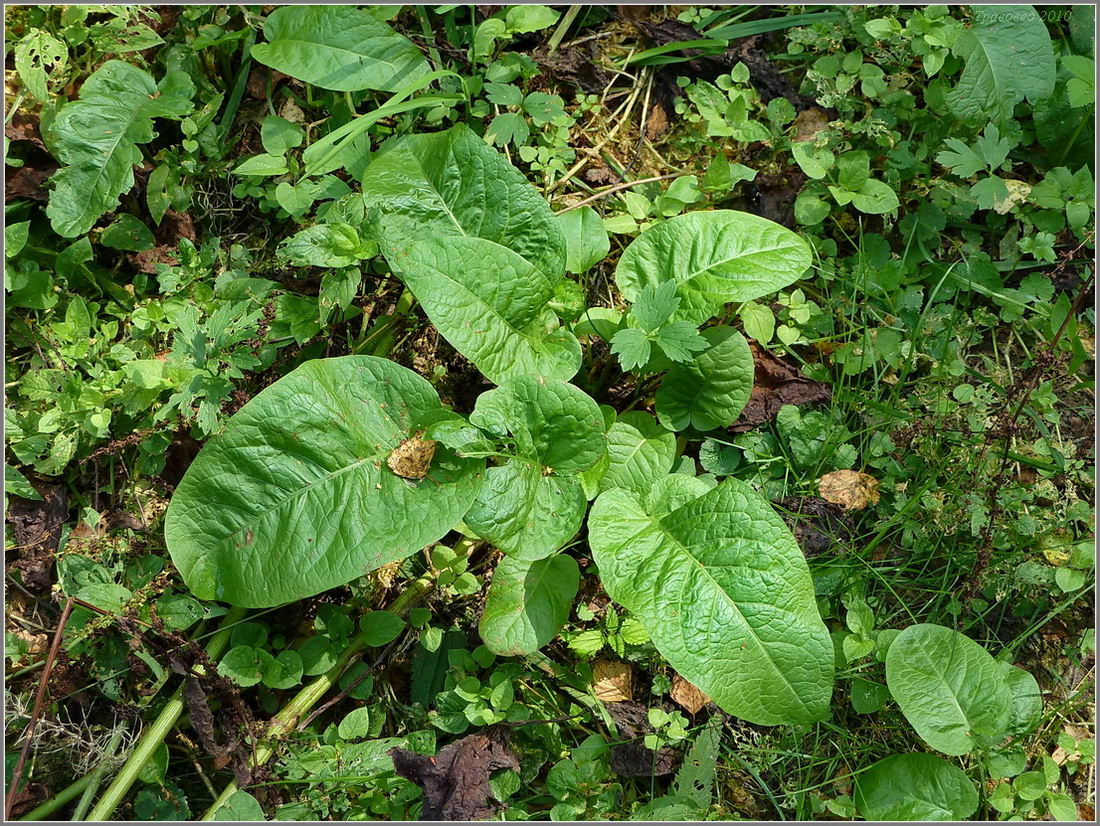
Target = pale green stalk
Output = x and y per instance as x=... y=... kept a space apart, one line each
x=48 y=807
x=153 y=736
x=287 y=719
x=96 y=775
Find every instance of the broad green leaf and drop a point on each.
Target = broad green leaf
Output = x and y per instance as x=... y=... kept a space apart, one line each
x=714 y=257
x=17 y=484
x=948 y=687
x=640 y=452
x=452 y=183
x=478 y=247
x=726 y=596
x=241 y=806
x=96 y=138
x=489 y=303
x=915 y=787
x=711 y=391
x=1026 y=699
x=296 y=495
x=586 y=241
x=528 y=603
x=1008 y=57
x=338 y=47
x=127 y=232
x=534 y=503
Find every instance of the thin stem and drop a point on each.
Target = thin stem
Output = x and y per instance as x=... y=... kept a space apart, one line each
x=48 y=807
x=563 y=26
x=286 y=720
x=36 y=711
x=154 y=735
x=618 y=188
x=97 y=775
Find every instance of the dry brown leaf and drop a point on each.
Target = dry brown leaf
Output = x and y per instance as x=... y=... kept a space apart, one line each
x=657 y=123
x=36 y=644
x=687 y=695
x=808 y=123
x=849 y=488
x=612 y=681
x=775 y=383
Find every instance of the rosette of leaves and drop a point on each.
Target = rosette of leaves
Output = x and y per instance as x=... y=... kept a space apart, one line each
x=533 y=502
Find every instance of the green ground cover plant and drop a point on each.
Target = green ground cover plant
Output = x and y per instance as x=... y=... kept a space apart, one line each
x=569 y=413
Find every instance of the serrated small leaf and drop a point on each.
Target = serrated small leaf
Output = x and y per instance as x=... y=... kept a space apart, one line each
x=632 y=347
x=654 y=304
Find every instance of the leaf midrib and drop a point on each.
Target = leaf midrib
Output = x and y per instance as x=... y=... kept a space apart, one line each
x=686 y=552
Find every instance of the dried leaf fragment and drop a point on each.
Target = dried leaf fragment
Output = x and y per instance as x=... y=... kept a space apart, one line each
x=412 y=458
x=687 y=695
x=612 y=681
x=849 y=488
x=456 y=781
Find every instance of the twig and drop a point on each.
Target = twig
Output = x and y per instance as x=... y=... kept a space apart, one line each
x=366 y=672
x=618 y=188
x=36 y=712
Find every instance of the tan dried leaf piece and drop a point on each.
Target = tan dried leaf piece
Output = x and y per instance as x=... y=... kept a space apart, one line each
x=412 y=458
x=808 y=123
x=612 y=681
x=687 y=695
x=849 y=488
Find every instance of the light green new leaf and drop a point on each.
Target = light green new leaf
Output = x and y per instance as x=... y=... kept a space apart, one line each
x=528 y=603
x=875 y=198
x=489 y=303
x=533 y=504
x=1008 y=57
x=714 y=257
x=296 y=495
x=914 y=787
x=96 y=140
x=726 y=596
x=640 y=453
x=948 y=687
x=338 y=47
x=586 y=241
x=711 y=391
x=325 y=245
